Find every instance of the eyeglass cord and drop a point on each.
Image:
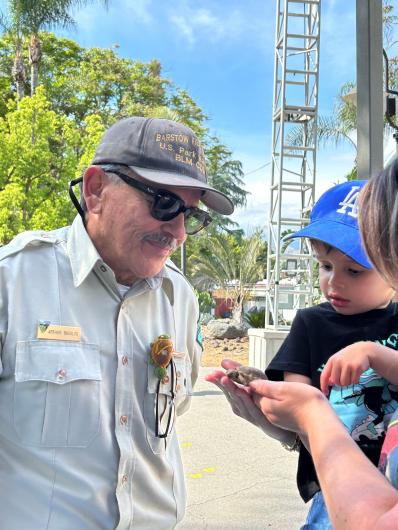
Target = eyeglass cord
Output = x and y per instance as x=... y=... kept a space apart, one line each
x=170 y=404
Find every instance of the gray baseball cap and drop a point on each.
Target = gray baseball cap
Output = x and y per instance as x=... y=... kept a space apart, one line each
x=162 y=152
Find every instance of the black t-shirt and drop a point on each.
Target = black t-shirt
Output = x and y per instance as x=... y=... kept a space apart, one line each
x=316 y=334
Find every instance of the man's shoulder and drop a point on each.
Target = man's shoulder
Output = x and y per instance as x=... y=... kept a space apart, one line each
x=32 y=239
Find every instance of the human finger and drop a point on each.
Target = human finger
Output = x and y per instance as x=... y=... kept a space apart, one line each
x=325 y=378
x=335 y=372
x=237 y=396
x=266 y=388
x=356 y=374
x=228 y=364
x=214 y=376
x=345 y=376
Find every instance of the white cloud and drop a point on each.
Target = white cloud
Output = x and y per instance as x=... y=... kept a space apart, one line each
x=194 y=23
x=216 y=23
x=182 y=26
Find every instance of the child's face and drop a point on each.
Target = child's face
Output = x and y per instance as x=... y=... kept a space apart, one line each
x=350 y=288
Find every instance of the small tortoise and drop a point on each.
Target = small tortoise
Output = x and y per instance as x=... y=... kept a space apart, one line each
x=244 y=374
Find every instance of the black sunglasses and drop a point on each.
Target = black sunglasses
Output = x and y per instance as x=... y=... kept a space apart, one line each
x=165 y=206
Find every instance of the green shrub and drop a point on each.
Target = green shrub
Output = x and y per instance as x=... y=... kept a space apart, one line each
x=205 y=300
x=255 y=318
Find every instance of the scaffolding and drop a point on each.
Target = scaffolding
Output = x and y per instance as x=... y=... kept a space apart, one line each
x=293 y=166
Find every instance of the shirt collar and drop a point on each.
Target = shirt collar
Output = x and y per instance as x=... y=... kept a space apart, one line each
x=82 y=253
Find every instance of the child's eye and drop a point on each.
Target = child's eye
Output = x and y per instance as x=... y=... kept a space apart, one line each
x=325 y=266
x=354 y=272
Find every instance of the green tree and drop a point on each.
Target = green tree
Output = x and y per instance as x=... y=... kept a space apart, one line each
x=29 y=18
x=92 y=88
x=226 y=175
x=337 y=128
x=37 y=159
x=225 y=262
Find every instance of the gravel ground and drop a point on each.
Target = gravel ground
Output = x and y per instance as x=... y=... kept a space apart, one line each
x=214 y=350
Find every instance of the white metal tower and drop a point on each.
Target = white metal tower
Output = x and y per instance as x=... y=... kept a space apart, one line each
x=292 y=186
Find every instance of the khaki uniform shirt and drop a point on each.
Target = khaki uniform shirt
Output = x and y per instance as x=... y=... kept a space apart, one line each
x=78 y=449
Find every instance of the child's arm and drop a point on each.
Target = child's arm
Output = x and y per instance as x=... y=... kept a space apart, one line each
x=357 y=495
x=296 y=378
x=346 y=366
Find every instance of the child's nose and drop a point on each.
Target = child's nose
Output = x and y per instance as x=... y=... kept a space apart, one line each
x=336 y=279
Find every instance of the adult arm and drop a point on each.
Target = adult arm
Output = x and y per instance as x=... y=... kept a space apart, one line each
x=357 y=495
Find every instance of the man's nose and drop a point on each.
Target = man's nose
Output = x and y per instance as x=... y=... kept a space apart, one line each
x=176 y=227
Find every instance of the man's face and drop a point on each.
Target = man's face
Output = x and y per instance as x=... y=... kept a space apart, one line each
x=128 y=238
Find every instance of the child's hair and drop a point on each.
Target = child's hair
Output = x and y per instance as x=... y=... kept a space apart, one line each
x=378 y=221
x=319 y=246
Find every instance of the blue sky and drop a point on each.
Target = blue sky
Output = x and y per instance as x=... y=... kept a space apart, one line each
x=222 y=52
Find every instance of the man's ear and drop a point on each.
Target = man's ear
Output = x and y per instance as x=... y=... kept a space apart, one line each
x=94 y=181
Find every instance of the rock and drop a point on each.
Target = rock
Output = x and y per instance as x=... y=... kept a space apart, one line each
x=225 y=328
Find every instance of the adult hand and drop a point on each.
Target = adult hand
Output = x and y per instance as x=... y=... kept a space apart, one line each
x=241 y=402
x=291 y=406
x=347 y=365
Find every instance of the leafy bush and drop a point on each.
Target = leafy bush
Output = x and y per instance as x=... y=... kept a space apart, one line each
x=205 y=300
x=255 y=317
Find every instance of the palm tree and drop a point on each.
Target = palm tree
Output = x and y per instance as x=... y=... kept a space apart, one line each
x=222 y=262
x=28 y=18
x=337 y=128
x=12 y=25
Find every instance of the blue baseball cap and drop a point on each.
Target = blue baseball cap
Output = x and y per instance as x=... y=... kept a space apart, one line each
x=334 y=220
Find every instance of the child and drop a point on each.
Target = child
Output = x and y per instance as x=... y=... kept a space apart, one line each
x=358 y=308
x=357 y=495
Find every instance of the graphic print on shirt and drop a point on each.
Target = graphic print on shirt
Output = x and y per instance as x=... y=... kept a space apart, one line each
x=366 y=408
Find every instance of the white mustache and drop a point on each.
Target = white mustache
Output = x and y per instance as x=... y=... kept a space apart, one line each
x=167 y=241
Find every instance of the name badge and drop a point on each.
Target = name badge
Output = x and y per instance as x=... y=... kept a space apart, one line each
x=46 y=330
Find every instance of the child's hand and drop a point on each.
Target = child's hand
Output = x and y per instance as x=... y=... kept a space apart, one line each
x=346 y=366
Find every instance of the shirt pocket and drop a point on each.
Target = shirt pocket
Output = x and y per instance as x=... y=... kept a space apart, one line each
x=182 y=386
x=57 y=393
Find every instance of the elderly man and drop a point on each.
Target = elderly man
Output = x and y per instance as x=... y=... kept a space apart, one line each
x=99 y=343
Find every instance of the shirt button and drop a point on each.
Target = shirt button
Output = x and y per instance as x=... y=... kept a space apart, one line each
x=125 y=360
x=61 y=374
x=178 y=374
x=103 y=268
x=123 y=420
x=124 y=479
